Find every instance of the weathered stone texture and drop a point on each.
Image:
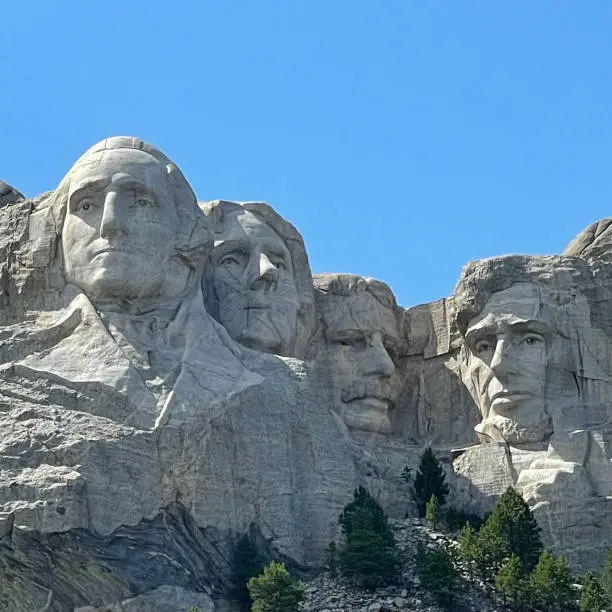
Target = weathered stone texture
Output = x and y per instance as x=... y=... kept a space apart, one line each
x=172 y=376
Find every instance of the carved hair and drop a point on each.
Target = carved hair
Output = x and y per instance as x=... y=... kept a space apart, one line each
x=332 y=290
x=560 y=278
x=192 y=235
x=351 y=284
x=218 y=210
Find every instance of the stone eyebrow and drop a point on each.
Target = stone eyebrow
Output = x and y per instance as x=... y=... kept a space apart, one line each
x=93 y=184
x=132 y=183
x=532 y=325
x=481 y=329
x=227 y=246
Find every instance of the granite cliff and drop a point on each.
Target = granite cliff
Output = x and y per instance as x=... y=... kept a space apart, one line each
x=172 y=375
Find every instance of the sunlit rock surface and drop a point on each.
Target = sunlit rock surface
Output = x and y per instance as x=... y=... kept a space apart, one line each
x=172 y=376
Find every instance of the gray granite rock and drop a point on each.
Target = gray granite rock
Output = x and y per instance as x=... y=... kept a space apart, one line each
x=171 y=377
x=8 y=194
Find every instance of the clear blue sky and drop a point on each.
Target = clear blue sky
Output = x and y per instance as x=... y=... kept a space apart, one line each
x=402 y=137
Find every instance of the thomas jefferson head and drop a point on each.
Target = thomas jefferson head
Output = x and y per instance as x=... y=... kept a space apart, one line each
x=258 y=281
x=131 y=230
x=520 y=318
x=360 y=329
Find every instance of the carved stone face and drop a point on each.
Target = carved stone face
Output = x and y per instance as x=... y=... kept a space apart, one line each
x=119 y=233
x=251 y=275
x=361 y=336
x=511 y=371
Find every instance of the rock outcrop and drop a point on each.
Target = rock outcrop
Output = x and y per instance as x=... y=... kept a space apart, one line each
x=173 y=376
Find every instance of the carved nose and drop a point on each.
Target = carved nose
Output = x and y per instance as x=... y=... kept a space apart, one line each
x=503 y=362
x=265 y=273
x=379 y=362
x=111 y=223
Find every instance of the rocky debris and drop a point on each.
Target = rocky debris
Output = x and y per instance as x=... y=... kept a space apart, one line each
x=328 y=594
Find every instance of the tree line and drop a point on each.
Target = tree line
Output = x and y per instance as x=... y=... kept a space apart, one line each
x=501 y=553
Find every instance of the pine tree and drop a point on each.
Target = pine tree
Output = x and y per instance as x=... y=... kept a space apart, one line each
x=593 y=597
x=276 y=590
x=431 y=511
x=437 y=574
x=246 y=563
x=468 y=551
x=510 y=582
x=510 y=529
x=430 y=480
x=367 y=556
x=550 y=583
x=379 y=521
x=606 y=576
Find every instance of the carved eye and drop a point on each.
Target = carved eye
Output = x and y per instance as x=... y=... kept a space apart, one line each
x=143 y=201
x=85 y=204
x=356 y=343
x=532 y=339
x=483 y=346
x=231 y=259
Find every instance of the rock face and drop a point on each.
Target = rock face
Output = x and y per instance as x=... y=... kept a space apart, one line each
x=172 y=376
x=9 y=195
x=535 y=357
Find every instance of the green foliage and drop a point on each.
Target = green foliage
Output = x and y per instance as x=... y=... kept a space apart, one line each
x=362 y=500
x=593 y=597
x=431 y=510
x=331 y=554
x=511 y=529
x=275 y=590
x=437 y=574
x=430 y=480
x=510 y=581
x=367 y=556
x=246 y=563
x=468 y=550
x=454 y=519
x=550 y=583
x=606 y=576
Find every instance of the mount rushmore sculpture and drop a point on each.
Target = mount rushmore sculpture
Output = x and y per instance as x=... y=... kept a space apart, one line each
x=172 y=376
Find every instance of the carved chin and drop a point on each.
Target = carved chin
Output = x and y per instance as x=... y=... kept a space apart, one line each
x=364 y=415
x=503 y=429
x=261 y=333
x=117 y=285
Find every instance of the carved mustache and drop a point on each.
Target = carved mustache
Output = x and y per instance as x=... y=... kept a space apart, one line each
x=371 y=388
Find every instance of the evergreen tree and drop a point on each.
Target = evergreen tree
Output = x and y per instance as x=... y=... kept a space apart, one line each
x=511 y=529
x=468 y=551
x=430 y=480
x=378 y=519
x=550 y=583
x=606 y=576
x=593 y=597
x=367 y=556
x=431 y=510
x=510 y=582
x=246 y=563
x=276 y=590
x=437 y=574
